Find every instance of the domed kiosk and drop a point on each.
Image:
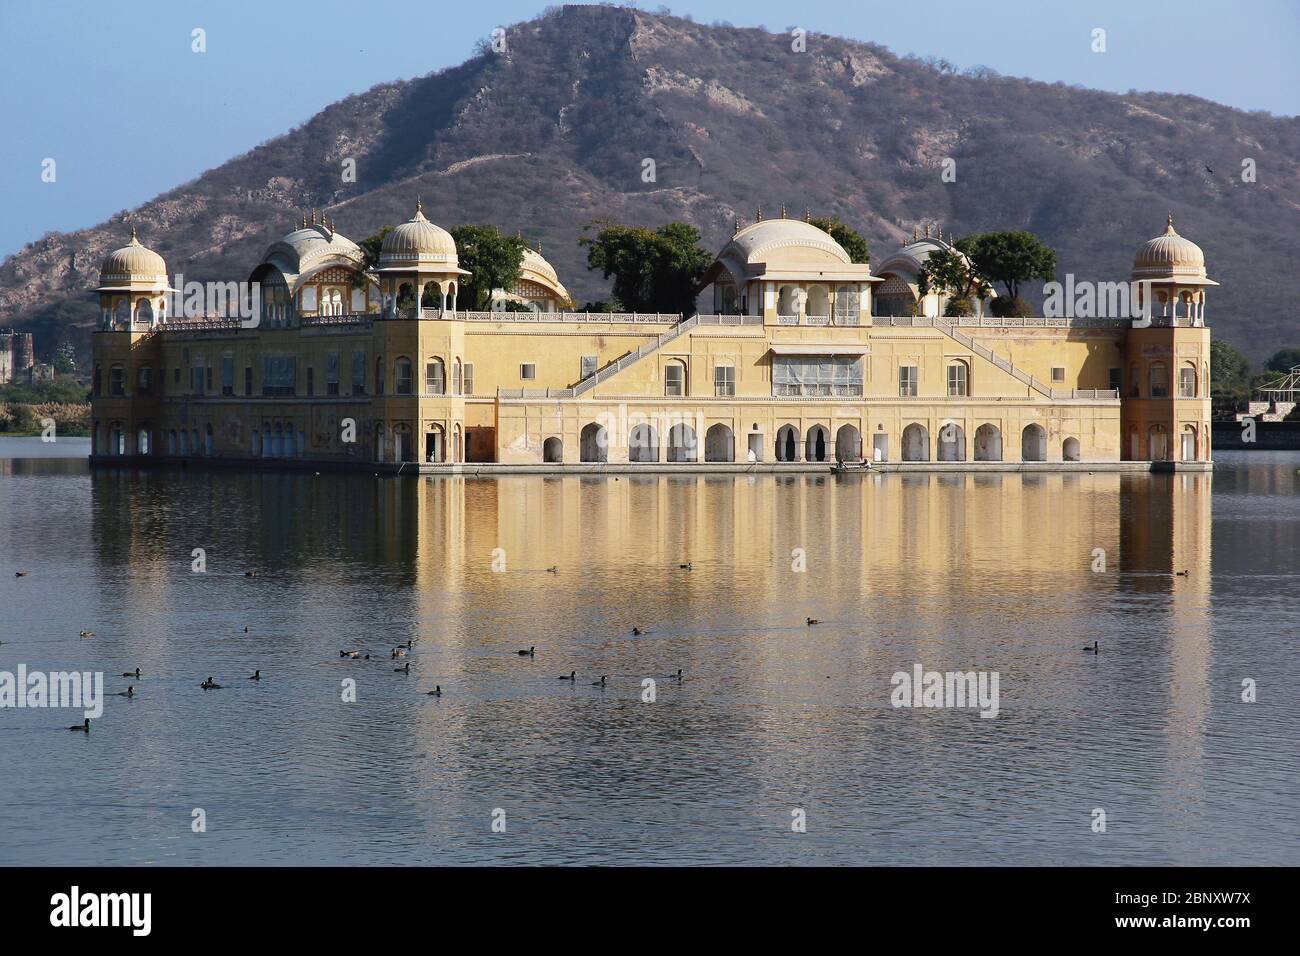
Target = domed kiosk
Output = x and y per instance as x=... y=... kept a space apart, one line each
x=418 y=266
x=132 y=287
x=539 y=287
x=1173 y=267
x=791 y=273
x=313 y=271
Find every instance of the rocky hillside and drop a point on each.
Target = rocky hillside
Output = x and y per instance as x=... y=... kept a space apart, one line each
x=553 y=133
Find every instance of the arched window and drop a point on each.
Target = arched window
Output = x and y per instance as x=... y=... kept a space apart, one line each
x=1187 y=380
x=719 y=443
x=848 y=304
x=1159 y=380
x=435 y=377
x=553 y=451
x=142 y=442
x=787 y=443
x=643 y=444
x=958 y=380
x=1070 y=450
x=1033 y=443
x=379 y=375
x=402 y=384
x=1134 y=381
x=988 y=443
x=819 y=304
x=117 y=380
x=674 y=378
x=815 y=449
x=455 y=377
x=952 y=442
x=681 y=444
x=1158 y=443
x=144 y=312
x=916 y=443
x=848 y=444
x=594 y=443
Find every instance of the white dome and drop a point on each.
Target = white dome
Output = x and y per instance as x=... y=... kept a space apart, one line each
x=134 y=263
x=1169 y=256
x=418 y=242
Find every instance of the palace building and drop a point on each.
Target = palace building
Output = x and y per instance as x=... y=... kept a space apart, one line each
x=801 y=356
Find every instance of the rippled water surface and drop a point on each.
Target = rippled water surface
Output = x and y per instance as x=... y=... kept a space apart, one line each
x=952 y=572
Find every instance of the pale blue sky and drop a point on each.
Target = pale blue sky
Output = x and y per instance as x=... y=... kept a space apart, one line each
x=113 y=93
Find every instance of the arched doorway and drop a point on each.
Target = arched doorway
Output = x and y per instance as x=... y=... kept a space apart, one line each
x=435 y=445
x=988 y=443
x=643 y=444
x=1158 y=445
x=848 y=444
x=719 y=443
x=952 y=442
x=1033 y=443
x=681 y=444
x=815 y=446
x=142 y=442
x=916 y=443
x=787 y=443
x=1070 y=450
x=593 y=443
x=209 y=440
x=553 y=451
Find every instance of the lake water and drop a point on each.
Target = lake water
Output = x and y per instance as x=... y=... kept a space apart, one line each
x=987 y=573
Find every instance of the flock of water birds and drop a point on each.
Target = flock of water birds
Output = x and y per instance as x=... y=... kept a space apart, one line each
x=401 y=651
x=397 y=653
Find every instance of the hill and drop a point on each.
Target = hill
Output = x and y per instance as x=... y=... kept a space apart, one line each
x=552 y=134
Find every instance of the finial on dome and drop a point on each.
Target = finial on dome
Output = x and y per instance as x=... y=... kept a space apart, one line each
x=134 y=238
x=807 y=214
x=1169 y=229
x=927 y=230
x=419 y=206
x=916 y=232
x=758 y=214
x=539 y=247
x=782 y=210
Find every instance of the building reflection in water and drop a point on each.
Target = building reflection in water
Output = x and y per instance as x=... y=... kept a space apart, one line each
x=984 y=571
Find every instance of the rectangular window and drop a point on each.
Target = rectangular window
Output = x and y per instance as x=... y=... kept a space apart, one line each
x=1116 y=379
x=1058 y=375
x=528 y=371
x=196 y=380
x=1186 y=382
x=724 y=380
x=311 y=381
x=674 y=378
x=144 y=380
x=176 y=375
x=816 y=375
x=248 y=380
x=956 y=380
x=588 y=367
x=332 y=373
x=469 y=379
x=279 y=374
x=207 y=378
x=227 y=375
x=455 y=379
x=358 y=371
x=907 y=381
x=117 y=380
